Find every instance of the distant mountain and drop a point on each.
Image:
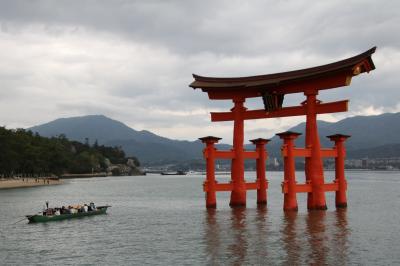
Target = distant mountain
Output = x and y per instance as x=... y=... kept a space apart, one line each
x=148 y=147
x=366 y=131
x=143 y=144
x=94 y=127
x=383 y=151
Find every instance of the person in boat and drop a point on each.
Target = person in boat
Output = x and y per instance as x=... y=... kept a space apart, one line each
x=84 y=208
x=92 y=207
x=48 y=212
x=72 y=210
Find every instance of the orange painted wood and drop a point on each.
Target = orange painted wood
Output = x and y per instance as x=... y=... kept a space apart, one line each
x=283 y=112
x=209 y=151
x=218 y=186
x=330 y=153
x=304 y=152
x=322 y=108
x=221 y=116
x=252 y=186
x=229 y=186
x=331 y=186
x=305 y=188
x=297 y=152
x=238 y=195
x=224 y=187
x=224 y=154
x=299 y=188
x=251 y=155
x=333 y=107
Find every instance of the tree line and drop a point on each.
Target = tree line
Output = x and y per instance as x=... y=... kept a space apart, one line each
x=23 y=151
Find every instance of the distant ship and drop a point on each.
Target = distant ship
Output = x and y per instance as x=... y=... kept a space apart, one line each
x=174 y=173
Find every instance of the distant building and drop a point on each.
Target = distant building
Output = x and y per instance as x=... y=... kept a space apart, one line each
x=392 y=163
x=276 y=162
x=364 y=163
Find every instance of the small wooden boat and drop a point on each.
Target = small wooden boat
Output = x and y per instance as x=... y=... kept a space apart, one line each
x=50 y=215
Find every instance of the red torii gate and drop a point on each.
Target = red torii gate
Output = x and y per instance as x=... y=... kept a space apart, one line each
x=272 y=89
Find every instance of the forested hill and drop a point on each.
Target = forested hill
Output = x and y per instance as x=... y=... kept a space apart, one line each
x=25 y=152
x=148 y=147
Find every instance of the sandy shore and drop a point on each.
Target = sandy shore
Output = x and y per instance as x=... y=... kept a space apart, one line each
x=28 y=182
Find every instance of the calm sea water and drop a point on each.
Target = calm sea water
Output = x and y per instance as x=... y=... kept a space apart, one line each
x=162 y=220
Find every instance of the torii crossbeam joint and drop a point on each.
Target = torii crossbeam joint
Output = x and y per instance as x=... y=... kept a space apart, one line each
x=271 y=89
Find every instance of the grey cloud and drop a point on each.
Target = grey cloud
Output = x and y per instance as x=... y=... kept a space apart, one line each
x=224 y=27
x=132 y=60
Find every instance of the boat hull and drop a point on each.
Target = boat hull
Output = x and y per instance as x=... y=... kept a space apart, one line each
x=44 y=219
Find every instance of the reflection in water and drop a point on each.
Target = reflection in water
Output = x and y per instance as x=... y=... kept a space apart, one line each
x=290 y=238
x=261 y=235
x=250 y=236
x=232 y=235
x=212 y=236
x=238 y=248
x=226 y=236
x=316 y=238
x=261 y=216
x=341 y=235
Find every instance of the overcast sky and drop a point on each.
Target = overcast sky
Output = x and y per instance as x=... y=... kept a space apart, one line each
x=133 y=60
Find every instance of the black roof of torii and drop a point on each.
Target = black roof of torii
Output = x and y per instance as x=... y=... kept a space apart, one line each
x=264 y=83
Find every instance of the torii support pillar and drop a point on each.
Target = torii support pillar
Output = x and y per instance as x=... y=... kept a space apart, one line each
x=261 y=179
x=209 y=154
x=340 y=199
x=290 y=198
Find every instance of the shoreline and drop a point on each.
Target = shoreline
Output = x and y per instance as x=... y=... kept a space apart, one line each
x=68 y=176
x=28 y=182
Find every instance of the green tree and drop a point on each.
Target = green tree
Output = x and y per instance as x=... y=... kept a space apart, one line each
x=25 y=152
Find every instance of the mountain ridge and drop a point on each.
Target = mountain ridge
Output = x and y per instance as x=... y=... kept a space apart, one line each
x=367 y=132
x=94 y=127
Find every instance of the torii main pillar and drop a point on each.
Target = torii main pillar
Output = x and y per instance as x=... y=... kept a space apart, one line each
x=314 y=166
x=238 y=195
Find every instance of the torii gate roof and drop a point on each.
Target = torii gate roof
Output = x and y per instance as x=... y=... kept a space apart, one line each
x=328 y=76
